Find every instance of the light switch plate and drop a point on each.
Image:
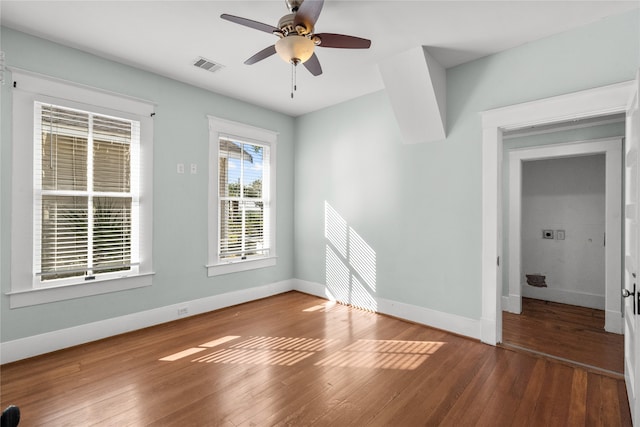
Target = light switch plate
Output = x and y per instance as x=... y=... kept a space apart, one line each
x=560 y=234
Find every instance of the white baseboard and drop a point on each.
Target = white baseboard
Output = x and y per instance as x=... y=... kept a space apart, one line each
x=23 y=348
x=312 y=288
x=512 y=304
x=437 y=319
x=488 y=331
x=505 y=305
x=565 y=297
x=613 y=322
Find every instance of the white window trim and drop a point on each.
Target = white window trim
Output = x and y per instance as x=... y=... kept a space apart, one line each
x=220 y=127
x=31 y=87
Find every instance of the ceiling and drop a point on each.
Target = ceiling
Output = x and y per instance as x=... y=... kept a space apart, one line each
x=166 y=37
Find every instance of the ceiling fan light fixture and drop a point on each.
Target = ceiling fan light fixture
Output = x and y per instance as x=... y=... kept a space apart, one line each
x=295 y=49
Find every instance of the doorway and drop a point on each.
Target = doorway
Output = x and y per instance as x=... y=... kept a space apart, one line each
x=561 y=199
x=586 y=104
x=612 y=150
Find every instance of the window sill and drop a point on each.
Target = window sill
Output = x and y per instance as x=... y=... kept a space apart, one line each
x=236 y=267
x=36 y=296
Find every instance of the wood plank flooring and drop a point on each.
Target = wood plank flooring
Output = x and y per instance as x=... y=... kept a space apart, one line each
x=565 y=331
x=296 y=360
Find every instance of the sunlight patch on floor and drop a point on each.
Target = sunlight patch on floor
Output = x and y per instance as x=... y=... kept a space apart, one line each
x=287 y=351
x=183 y=353
x=383 y=354
x=219 y=341
x=281 y=343
x=323 y=308
x=201 y=347
x=284 y=351
x=255 y=357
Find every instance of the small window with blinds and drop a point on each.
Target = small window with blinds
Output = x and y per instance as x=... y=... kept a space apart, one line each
x=86 y=194
x=243 y=200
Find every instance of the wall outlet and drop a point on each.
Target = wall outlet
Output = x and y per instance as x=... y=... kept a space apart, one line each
x=547 y=234
x=180 y=168
x=194 y=168
x=183 y=311
x=560 y=234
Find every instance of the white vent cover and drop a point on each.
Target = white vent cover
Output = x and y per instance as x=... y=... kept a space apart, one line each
x=208 y=65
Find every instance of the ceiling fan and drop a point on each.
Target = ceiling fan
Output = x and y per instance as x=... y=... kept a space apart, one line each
x=297 y=39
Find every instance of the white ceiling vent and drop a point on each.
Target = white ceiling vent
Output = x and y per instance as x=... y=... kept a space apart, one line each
x=208 y=65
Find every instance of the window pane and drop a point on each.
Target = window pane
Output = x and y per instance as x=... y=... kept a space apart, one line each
x=230 y=229
x=241 y=229
x=64 y=237
x=230 y=154
x=254 y=228
x=111 y=154
x=252 y=170
x=64 y=148
x=111 y=234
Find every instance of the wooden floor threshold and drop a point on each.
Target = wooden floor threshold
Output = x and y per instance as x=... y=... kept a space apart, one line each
x=572 y=363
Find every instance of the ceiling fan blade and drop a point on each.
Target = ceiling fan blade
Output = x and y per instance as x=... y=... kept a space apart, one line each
x=264 y=53
x=308 y=13
x=313 y=65
x=251 y=24
x=341 y=41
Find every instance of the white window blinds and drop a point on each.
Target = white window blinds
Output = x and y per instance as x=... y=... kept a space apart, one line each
x=86 y=195
x=243 y=195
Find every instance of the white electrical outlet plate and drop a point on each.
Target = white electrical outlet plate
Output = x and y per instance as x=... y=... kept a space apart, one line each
x=194 y=168
x=560 y=234
x=180 y=168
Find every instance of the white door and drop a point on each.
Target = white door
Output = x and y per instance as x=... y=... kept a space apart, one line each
x=632 y=260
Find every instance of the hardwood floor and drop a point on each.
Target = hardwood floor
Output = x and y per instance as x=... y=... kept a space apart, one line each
x=297 y=360
x=565 y=331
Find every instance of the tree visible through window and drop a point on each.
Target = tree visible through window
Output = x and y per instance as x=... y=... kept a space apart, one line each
x=243 y=174
x=86 y=194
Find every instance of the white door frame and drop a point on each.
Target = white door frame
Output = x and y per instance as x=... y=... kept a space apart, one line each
x=601 y=101
x=612 y=149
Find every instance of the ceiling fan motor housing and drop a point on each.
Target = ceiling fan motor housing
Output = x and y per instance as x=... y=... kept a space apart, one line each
x=287 y=26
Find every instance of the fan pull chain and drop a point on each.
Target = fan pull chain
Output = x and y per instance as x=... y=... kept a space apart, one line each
x=294 y=86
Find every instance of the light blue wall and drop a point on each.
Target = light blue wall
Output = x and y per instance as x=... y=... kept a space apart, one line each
x=419 y=206
x=180 y=201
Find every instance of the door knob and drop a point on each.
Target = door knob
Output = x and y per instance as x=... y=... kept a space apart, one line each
x=627 y=293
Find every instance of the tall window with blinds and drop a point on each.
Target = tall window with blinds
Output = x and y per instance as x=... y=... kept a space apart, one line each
x=243 y=200
x=86 y=193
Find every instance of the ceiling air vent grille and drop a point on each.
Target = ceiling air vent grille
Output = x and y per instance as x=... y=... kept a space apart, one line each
x=208 y=65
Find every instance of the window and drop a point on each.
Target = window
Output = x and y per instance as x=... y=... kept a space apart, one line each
x=82 y=191
x=241 y=197
x=84 y=199
x=244 y=209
